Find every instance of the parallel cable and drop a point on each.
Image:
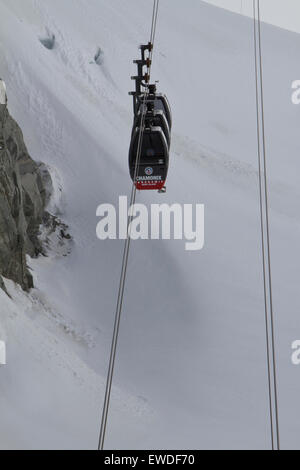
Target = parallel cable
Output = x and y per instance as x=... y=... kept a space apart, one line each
x=265 y=232
x=126 y=249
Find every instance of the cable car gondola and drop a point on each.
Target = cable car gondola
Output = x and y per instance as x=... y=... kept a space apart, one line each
x=152 y=168
x=160 y=103
x=149 y=162
x=154 y=118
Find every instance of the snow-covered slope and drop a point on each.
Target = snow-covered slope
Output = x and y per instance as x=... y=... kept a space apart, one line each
x=191 y=368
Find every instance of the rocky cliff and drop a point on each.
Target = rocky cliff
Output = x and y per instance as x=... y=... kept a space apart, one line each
x=22 y=203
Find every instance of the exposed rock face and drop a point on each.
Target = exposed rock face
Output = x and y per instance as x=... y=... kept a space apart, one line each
x=22 y=203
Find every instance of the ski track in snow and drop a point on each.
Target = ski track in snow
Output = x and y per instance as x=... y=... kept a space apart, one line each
x=284 y=198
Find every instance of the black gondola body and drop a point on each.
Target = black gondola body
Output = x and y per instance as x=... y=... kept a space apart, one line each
x=160 y=103
x=152 y=168
x=149 y=162
x=154 y=118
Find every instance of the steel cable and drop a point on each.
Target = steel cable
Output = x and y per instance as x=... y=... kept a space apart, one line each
x=265 y=232
x=126 y=249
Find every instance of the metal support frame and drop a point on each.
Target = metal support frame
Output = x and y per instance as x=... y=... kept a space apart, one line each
x=142 y=78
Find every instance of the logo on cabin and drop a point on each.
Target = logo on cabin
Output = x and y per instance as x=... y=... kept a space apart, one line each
x=149 y=171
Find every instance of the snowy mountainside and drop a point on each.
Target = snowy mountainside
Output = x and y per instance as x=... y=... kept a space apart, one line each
x=191 y=367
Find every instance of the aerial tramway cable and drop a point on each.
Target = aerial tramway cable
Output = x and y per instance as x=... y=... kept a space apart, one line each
x=126 y=248
x=265 y=235
x=265 y=232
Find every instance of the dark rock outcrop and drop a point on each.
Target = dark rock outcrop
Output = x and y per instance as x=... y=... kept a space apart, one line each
x=22 y=203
